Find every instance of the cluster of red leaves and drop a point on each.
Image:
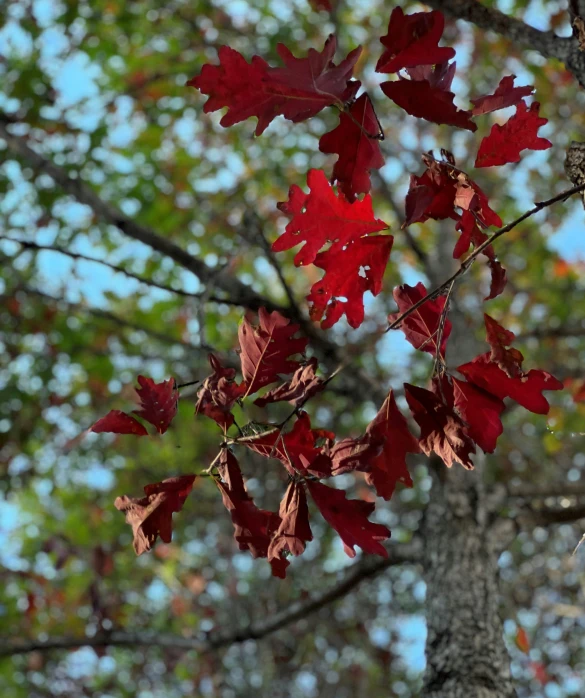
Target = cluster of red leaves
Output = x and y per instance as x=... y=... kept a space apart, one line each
x=456 y=415
x=340 y=235
x=302 y=87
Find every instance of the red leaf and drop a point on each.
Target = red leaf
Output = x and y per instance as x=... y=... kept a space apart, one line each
x=509 y=360
x=381 y=452
x=481 y=412
x=218 y=394
x=253 y=527
x=349 y=273
x=442 y=431
x=422 y=326
x=229 y=471
x=442 y=188
x=429 y=99
x=297 y=91
x=526 y=390
x=499 y=279
x=158 y=402
x=297 y=449
x=357 y=142
x=349 y=517
x=506 y=95
x=151 y=516
x=505 y=143
x=413 y=40
x=320 y=217
x=522 y=641
x=303 y=385
x=265 y=349
x=294 y=530
x=118 y=422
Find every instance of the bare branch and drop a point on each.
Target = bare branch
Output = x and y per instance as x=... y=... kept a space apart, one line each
x=560 y=489
x=238 y=292
x=521 y=34
x=560 y=332
x=552 y=515
x=364 y=570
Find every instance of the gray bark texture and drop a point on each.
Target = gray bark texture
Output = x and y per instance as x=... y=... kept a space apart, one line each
x=466 y=655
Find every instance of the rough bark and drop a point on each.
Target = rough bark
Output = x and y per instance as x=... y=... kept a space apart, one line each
x=466 y=655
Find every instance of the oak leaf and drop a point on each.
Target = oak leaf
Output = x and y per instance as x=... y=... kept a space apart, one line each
x=302 y=386
x=118 y=422
x=505 y=143
x=481 y=412
x=322 y=217
x=158 y=402
x=297 y=91
x=413 y=40
x=151 y=516
x=356 y=140
x=265 y=350
x=349 y=517
x=294 y=530
x=218 y=394
x=505 y=95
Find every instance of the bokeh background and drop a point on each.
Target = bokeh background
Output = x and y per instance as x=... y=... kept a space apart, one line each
x=98 y=88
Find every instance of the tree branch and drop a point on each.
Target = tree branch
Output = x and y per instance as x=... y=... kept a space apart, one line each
x=237 y=292
x=521 y=34
x=552 y=515
x=561 y=489
x=364 y=570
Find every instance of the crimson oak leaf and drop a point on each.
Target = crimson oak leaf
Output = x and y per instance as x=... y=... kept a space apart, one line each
x=118 y=422
x=506 y=95
x=413 y=40
x=297 y=91
x=294 y=531
x=322 y=217
x=505 y=143
x=429 y=97
x=158 y=402
x=151 y=516
x=421 y=328
x=302 y=386
x=349 y=517
x=481 y=412
x=499 y=339
x=254 y=528
x=380 y=452
x=526 y=389
x=349 y=273
x=441 y=430
x=218 y=393
x=357 y=142
x=265 y=350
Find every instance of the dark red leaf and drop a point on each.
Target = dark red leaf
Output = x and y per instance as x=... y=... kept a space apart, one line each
x=481 y=412
x=526 y=390
x=297 y=449
x=265 y=350
x=218 y=394
x=421 y=99
x=254 y=528
x=297 y=91
x=151 y=516
x=506 y=95
x=302 y=386
x=229 y=471
x=158 y=402
x=349 y=517
x=349 y=273
x=357 y=142
x=505 y=143
x=322 y=217
x=422 y=326
x=442 y=431
x=509 y=360
x=294 y=530
x=413 y=40
x=380 y=452
x=499 y=279
x=117 y=422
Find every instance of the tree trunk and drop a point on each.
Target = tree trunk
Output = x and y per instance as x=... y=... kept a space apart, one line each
x=466 y=655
